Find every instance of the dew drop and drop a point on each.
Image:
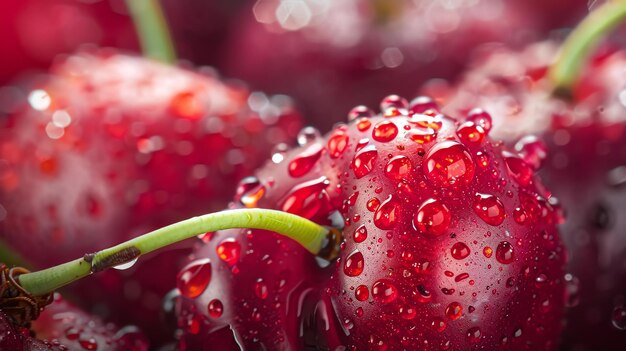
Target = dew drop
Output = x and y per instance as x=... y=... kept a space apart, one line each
x=504 y=252
x=459 y=251
x=422 y=104
x=489 y=208
x=487 y=251
x=353 y=265
x=438 y=324
x=448 y=163
x=384 y=291
x=480 y=118
x=407 y=312
x=194 y=278
x=360 y=234
x=260 y=289
x=618 y=318
x=126 y=265
x=307 y=135
x=373 y=204
x=363 y=161
x=88 y=343
x=303 y=163
x=454 y=311
x=473 y=335
x=337 y=143
x=216 y=308
x=385 y=131
x=471 y=134
x=362 y=293
x=432 y=218
x=363 y=124
x=518 y=169
x=387 y=214
x=229 y=251
x=359 y=112
x=398 y=168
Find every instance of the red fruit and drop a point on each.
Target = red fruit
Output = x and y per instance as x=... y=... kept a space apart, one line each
x=581 y=146
x=349 y=52
x=112 y=146
x=417 y=268
x=62 y=326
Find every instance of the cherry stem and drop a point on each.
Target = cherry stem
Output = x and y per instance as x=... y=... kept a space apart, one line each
x=151 y=27
x=582 y=41
x=308 y=234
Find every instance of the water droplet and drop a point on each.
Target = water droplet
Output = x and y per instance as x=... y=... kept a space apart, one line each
x=473 y=335
x=532 y=149
x=362 y=293
x=519 y=215
x=363 y=161
x=126 y=265
x=360 y=234
x=260 y=289
x=216 y=308
x=337 y=143
x=461 y=277
x=393 y=101
x=518 y=169
x=421 y=135
x=422 y=104
x=427 y=122
x=373 y=204
x=422 y=294
x=353 y=265
x=487 y=251
x=384 y=291
x=88 y=343
x=385 y=131
x=386 y=216
x=306 y=199
x=504 y=252
x=359 y=112
x=186 y=104
x=398 y=168
x=251 y=198
x=229 y=251
x=363 y=124
x=304 y=162
x=438 y=324
x=460 y=251
x=572 y=289
x=407 y=312
x=480 y=118
x=432 y=218
x=489 y=208
x=194 y=278
x=307 y=135
x=454 y=311
x=471 y=134
x=618 y=318
x=448 y=163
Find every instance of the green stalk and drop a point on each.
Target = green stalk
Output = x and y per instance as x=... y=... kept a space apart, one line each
x=155 y=39
x=582 y=41
x=310 y=235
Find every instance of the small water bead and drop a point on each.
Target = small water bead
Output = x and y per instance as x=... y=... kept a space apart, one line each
x=88 y=343
x=251 y=198
x=518 y=169
x=216 y=308
x=422 y=104
x=454 y=311
x=532 y=149
x=229 y=251
x=422 y=294
x=519 y=215
x=126 y=265
x=360 y=234
x=385 y=131
x=305 y=199
x=194 y=278
x=504 y=252
x=421 y=135
x=387 y=214
x=398 y=168
x=187 y=105
x=459 y=251
x=278 y=153
x=363 y=124
x=362 y=293
x=373 y=204
x=353 y=264
x=448 y=163
x=461 y=277
x=307 y=135
x=407 y=312
x=473 y=335
x=480 y=118
x=360 y=111
x=438 y=324
x=384 y=291
x=337 y=143
x=489 y=208
x=393 y=101
x=359 y=312
x=471 y=134
x=304 y=162
x=260 y=289
x=363 y=161
x=432 y=218
x=427 y=122
x=618 y=318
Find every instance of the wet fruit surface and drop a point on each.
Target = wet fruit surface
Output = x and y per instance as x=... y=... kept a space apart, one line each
x=431 y=257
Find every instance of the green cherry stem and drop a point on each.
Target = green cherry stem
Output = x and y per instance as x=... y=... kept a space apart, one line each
x=581 y=42
x=308 y=234
x=151 y=27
